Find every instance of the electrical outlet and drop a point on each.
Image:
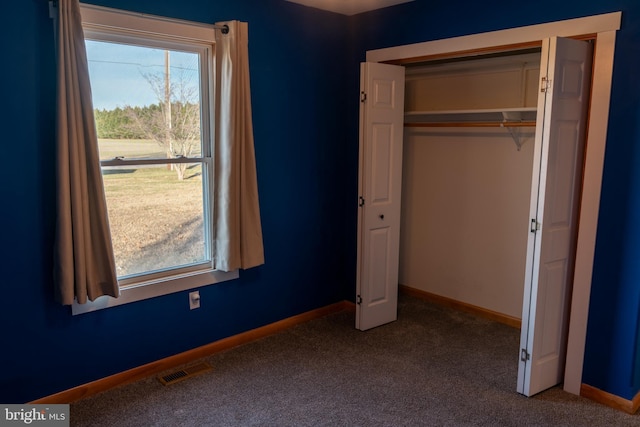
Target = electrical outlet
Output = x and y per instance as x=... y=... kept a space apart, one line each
x=194 y=300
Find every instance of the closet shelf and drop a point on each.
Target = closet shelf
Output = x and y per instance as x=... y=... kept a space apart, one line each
x=501 y=124
x=499 y=117
x=509 y=118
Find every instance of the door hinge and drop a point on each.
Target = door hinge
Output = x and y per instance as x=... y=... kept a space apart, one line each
x=358 y=299
x=363 y=96
x=360 y=201
x=535 y=225
x=524 y=355
x=545 y=84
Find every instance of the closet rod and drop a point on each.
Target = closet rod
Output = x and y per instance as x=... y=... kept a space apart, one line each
x=470 y=124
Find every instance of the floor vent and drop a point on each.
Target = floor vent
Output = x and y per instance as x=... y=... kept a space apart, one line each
x=185 y=373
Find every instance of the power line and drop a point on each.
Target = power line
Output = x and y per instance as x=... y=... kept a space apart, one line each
x=141 y=65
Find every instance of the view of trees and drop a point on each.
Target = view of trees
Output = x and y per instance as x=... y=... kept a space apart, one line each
x=174 y=122
x=116 y=123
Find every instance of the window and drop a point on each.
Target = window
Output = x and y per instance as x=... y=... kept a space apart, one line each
x=153 y=95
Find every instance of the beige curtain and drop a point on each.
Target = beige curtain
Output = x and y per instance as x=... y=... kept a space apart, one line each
x=238 y=233
x=84 y=261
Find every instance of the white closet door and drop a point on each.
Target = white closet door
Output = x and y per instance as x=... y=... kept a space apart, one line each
x=562 y=113
x=380 y=184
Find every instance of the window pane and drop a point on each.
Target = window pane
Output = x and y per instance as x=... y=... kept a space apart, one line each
x=146 y=100
x=156 y=219
x=147 y=106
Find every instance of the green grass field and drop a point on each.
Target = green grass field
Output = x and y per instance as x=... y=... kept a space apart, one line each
x=131 y=148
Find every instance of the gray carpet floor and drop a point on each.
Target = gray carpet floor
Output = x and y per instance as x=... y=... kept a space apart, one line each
x=432 y=367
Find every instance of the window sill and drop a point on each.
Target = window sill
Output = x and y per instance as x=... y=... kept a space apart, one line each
x=139 y=293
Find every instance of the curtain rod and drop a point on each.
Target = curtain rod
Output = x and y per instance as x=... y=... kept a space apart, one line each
x=54 y=3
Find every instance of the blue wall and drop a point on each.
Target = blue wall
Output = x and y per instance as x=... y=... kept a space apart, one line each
x=299 y=103
x=612 y=355
x=304 y=66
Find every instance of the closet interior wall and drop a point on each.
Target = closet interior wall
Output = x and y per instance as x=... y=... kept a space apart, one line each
x=466 y=190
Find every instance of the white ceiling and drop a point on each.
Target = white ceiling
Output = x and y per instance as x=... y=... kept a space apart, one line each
x=349 y=7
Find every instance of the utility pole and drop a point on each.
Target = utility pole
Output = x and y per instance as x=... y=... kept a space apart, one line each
x=167 y=103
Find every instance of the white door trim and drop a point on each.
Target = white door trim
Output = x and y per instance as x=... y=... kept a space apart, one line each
x=569 y=28
x=605 y=27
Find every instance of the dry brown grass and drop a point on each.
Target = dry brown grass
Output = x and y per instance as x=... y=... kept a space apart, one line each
x=156 y=220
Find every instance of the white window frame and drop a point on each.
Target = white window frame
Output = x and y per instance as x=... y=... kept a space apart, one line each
x=110 y=24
